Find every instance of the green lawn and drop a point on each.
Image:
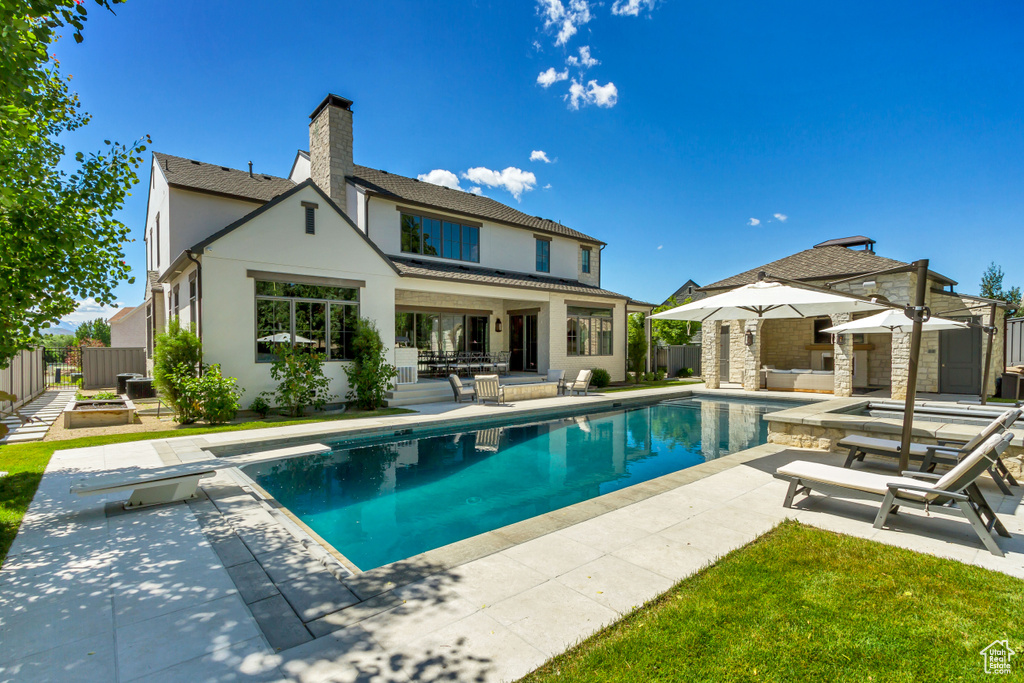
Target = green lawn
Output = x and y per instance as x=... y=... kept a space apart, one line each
x=26 y=462
x=650 y=385
x=801 y=604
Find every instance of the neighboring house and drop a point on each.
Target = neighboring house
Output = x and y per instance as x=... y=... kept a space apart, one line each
x=128 y=327
x=691 y=290
x=251 y=259
x=950 y=361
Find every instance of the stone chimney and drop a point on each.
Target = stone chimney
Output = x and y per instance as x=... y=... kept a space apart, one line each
x=330 y=147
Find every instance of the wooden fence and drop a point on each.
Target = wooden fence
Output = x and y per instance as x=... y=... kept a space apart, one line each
x=24 y=377
x=676 y=357
x=1015 y=341
x=102 y=365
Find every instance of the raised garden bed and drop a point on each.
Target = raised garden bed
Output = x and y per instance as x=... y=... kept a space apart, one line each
x=99 y=413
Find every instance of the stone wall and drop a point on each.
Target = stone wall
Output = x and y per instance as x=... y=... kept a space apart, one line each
x=710 y=333
x=592 y=278
x=843 y=359
x=752 y=356
x=879 y=359
x=736 y=351
x=784 y=343
x=330 y=152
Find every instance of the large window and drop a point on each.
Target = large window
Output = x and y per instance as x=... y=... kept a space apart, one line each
x=589 y=332
x=441 y=331
x=543 y=255
x=434 y=237
x=312 y=318
x=585 y=260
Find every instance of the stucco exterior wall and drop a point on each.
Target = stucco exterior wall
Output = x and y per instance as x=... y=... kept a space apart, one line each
x=196 y=216
x=276 y=241
x=129 y=331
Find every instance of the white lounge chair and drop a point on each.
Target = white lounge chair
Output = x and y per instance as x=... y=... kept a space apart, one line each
x=955 y=492
x=461 y=392
x=947 y=452
x=488 y=388
x=557 y=376
x=581 y=384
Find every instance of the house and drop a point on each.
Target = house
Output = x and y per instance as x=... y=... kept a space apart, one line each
x=128 y=327
x=950 y=361
x=690 y=290
x=253 y=260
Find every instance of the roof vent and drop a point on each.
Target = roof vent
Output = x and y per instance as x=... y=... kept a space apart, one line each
x=194 y=162
x=849 y=242
x=224 y=168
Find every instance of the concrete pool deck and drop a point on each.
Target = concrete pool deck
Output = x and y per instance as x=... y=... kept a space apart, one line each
x=87 y=595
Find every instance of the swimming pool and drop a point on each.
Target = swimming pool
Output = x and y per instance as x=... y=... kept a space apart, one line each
x=389 y=500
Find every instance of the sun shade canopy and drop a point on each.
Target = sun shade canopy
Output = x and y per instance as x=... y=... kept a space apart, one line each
x=767 y=300
x=891 y=321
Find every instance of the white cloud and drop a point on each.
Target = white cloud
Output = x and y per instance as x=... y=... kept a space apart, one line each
x=780 y=217
x=440 y=176
x=631 y=8
x=660 y=247
x=602 y=95
x=568 y=19
x=513 y=179
x=577 y=94
x=539 y=155
x=476 y=190
x=753 y=222
x=548 y=186
x=549 y=77
x=90 y=309
x=584 y=61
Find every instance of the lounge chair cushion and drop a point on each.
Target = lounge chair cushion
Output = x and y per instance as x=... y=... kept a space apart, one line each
x=991 y=448
x=859 y=480
x=875 y=445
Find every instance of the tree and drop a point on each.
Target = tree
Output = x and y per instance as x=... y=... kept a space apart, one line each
x=98 y=329
x=59 y=241
x=673 y=332
x=992 y=288
x=636 y=344
x=369 y=374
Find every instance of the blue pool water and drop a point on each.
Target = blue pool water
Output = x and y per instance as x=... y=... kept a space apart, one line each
x=386 y=501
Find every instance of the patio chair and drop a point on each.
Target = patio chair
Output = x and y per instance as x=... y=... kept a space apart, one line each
x=947 y=452
x=488 y=388
x=459 y=363
x=501 y=361
x=557 y=376
x=955 y=492
x=461 y=392
x=581 y=384
x=488 y=440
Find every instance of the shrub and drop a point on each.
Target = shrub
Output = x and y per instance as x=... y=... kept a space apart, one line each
x=659 y=374
x=301 y=380
x=260 y=405
x=218 y=395
x=178 y=354
x=600 y=377
x=370 y=374
x=684 y=372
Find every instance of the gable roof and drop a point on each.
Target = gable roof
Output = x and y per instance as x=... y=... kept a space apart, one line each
x=120 y=315
x=412 y=191
x=199 y=176
x=818 y=263
x=433 y=270
x=695 y=294
x=199 y=246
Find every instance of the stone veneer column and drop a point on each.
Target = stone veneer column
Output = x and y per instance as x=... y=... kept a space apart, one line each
x=900 y=365
x=843 y=366
x=752 y=355
x=710 y=340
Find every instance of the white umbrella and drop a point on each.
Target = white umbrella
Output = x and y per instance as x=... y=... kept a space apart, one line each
x=766 y=300
x=284 y=338
x=890 y=321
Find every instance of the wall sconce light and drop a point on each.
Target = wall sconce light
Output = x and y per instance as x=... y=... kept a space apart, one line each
x=839 y=339
x=749 y=338
x=870 y=283
x=497 y=325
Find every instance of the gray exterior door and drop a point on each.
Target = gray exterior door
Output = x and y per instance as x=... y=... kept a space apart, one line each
x=960 y=361
x=724 y=346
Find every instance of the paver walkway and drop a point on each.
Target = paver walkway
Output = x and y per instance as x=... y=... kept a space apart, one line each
x=91 y=596
x=46 y=408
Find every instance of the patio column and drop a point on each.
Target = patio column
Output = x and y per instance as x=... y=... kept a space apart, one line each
x=647 y=336
x=843 y=363
x=900 y=365
x=710 y=341
x=752 y=355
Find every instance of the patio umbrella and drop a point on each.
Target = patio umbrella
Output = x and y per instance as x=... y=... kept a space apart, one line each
x=767 y=300
x=891 y=321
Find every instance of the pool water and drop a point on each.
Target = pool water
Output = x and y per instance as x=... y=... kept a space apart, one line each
x=390 y=500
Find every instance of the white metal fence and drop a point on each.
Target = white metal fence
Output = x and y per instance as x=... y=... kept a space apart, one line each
x=102 y=365
x=24 y=377
x=676 y=357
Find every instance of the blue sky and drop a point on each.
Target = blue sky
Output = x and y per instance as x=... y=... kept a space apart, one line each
x=900 y=121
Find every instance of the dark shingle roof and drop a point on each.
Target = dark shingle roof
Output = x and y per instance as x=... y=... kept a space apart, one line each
x=398 y=187
x=230 y=182
x=123 y=313
x=819 y=263
x=414 y=267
